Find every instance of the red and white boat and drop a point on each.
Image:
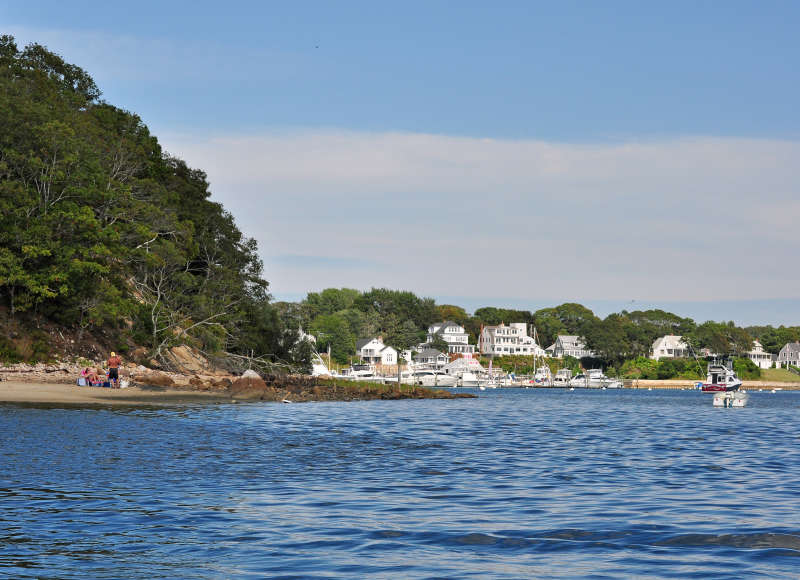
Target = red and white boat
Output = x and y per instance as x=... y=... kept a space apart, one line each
x=721 y=378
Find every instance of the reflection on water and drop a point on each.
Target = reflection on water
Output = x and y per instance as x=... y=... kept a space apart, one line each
x=515 y=484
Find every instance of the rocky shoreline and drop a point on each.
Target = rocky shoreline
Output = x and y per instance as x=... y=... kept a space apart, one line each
x=219 y=385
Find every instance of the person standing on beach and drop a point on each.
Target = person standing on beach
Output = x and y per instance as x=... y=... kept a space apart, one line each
x=113 y=369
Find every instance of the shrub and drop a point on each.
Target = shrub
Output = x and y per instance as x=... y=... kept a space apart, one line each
x=8 y=352
x=746 y=369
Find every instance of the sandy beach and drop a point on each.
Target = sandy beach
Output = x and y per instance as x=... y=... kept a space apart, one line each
x=49 y=393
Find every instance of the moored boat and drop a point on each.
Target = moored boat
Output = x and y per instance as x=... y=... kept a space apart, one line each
x=730 y=399
x=720 y=378
x=563 y=377
x=543 y=376
x=435 y=378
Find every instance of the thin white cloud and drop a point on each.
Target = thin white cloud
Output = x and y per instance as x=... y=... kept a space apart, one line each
x=682 y=219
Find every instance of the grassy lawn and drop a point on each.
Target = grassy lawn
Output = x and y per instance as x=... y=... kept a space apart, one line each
x=779 y=375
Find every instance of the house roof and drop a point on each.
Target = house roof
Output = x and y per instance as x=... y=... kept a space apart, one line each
x=429 y=352
x=387 y=346
x=571 y=339
x=670 y=341
x=363 y=342
x=791 y=347
x=443 y=325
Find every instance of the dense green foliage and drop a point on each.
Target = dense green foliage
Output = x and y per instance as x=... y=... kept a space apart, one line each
x=622 y=341
x=100 y=228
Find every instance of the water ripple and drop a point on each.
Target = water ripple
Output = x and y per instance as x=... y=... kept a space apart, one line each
x=515 y=484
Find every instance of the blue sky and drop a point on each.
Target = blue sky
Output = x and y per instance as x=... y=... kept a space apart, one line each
x=514 y=152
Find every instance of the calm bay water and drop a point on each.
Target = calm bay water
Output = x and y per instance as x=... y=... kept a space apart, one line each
x=515 y=484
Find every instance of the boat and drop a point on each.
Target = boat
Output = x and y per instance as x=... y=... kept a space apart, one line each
x=498 y=380
x=562 y=378
x=359 y=372
x=318 y=366
x=467 y=371
x=434 y=378
x=721 y=378
x=594 y=379
x=543 y=376
x=590 y=379
x=406 y=378
x=470 y=379
x=730 y=399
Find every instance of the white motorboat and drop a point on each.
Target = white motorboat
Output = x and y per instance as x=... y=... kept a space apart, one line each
x=360 y=372
x=434 y=378
x=594 y=379
x=406 y=378
x=591 y=379
x=730 y=398
x=470 y=379
x=562 y=378
x=500 y=381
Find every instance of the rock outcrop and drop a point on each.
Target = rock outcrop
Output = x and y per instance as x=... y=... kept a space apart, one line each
x=250 y=386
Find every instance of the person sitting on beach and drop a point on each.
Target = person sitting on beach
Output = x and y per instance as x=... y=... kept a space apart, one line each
x=113 y=369
x=92 y=378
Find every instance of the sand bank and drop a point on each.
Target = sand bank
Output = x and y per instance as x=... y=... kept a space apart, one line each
x=49 y=393
x=690 y=384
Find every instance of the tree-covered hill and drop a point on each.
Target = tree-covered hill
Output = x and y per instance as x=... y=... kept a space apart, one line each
x=338 y=317
x=102 y=233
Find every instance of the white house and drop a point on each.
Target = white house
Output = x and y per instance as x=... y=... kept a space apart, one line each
x=512 y=339
x=454 y=335
x=759 y=356
x=431 y=356
x=373 y=351
x=789 y=355
x=568 y=345
x=669 y=346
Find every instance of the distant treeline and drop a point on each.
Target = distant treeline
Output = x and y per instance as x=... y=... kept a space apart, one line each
x=340 y=316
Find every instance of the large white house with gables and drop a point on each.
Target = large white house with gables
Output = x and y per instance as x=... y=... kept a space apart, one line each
x=503 y=340
x=669 y=346
x=568 y=345
x=454 y=335
x=373 y=351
